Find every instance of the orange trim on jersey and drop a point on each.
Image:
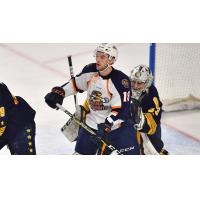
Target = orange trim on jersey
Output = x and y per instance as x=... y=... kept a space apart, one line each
x=74 y=85
x=103 y=148
x=16 y=102
x=114 y=107
x=109 y=93
x=89 y=81
x=115 y=113
x=138 y=134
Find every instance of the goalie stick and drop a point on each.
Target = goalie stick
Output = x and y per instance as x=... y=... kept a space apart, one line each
x=87 y=128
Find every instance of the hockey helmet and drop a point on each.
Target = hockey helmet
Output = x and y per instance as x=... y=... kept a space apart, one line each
x=143 y=74
x=109 y=49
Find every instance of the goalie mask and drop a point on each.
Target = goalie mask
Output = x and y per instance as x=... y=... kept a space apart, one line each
x=141 y=79
x=109 y=49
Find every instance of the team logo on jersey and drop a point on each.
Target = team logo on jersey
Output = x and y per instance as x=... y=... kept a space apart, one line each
x=125 y=83
x=138 y=74
x=97 y=102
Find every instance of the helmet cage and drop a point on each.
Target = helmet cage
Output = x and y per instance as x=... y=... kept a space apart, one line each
x=142 y=74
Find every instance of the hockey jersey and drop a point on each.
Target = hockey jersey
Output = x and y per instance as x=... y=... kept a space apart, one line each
x=14 y=111
x=152 y=110
x=107 y=96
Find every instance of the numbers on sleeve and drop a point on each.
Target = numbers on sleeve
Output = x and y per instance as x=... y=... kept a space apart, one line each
x=155 y=100
x=126 y=96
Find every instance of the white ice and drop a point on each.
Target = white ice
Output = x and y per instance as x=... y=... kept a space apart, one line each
x=31 y=70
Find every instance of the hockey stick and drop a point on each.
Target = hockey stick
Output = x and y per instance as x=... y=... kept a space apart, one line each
x=87 y=128
x=148 y=145
x=72 y=74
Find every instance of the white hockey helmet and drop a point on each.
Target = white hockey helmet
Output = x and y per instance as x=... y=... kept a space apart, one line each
x=141 y=73
x=109 y=49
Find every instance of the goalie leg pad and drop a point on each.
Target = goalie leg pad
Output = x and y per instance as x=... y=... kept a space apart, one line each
x=147 y=145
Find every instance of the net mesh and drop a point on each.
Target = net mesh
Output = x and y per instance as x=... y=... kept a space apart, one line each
x=177 y=75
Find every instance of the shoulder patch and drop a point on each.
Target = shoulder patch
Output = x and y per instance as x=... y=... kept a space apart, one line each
x=125 y=83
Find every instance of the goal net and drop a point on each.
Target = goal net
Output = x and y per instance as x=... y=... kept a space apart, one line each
x=177 y=75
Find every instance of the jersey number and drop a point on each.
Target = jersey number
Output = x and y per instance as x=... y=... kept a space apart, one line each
x=155 y=100
x=126 y=96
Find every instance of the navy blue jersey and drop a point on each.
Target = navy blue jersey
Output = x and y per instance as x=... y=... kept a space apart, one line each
x=152 y=109
x=14 y=111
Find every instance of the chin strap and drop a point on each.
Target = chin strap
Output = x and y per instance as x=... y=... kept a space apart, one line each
x=106 y=67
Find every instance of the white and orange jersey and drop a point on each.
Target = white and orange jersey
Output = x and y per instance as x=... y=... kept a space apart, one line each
x=107 y=96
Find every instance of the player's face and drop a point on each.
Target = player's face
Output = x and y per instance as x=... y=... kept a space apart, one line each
x=102 y=60
x=136 y=85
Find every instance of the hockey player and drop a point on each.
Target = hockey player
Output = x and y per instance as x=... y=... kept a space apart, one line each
x=145 y=94
x=108 y=96
x=17 y=126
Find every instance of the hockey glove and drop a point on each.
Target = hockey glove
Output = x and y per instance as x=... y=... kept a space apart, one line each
x=102 y=133
x=56 y=95
x=103 y=130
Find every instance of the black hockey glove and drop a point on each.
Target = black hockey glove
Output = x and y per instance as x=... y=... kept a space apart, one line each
x=102 y=133
x=56 y=95
x=104 y=128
